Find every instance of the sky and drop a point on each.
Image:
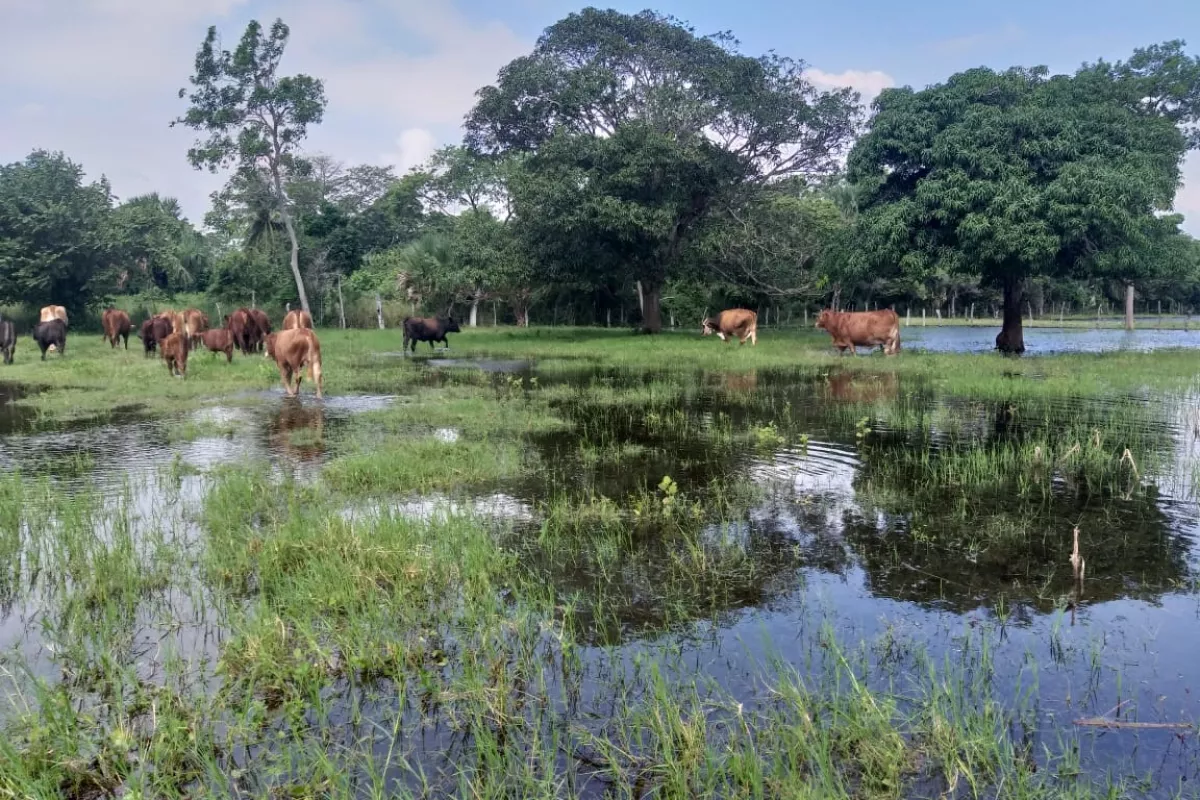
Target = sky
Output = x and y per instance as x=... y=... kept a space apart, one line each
x=99 y=79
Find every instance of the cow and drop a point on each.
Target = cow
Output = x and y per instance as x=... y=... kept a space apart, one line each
x=269 y=345
x=219 y=340
x=739 y=322
x=263 y=323
x=8 y=340
x=297 y=319
x=175 y=353
x=195 y=323
x=296 y=349
x=49 y=313
x=426 y=329
x=154 y=330
x=51 y=335
x=244 y=329
x=862 y=328
x=116 y=326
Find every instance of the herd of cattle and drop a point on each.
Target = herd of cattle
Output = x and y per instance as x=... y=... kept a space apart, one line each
x=296 y=347
x=848 y=329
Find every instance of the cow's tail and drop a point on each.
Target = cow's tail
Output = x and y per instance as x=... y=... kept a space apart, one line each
x=894 y=335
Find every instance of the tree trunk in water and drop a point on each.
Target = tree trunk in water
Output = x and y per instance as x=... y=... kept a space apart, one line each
x=651 y=308
x=1129 y=306
x=1011 y=339
x=474 y=312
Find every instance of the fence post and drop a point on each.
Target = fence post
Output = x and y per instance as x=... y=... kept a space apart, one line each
x=379 y=310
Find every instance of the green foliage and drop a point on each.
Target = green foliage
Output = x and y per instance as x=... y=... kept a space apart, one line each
x=157 y=246
x=252 y=119
x=56 y=234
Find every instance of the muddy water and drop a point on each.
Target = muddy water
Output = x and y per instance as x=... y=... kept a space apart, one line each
x=840 y=536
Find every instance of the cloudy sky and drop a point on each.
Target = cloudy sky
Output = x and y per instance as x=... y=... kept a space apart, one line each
x=99 y=79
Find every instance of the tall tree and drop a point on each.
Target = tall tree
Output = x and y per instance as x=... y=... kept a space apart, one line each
x=620 y=103
x=157 y=246
x=56 y=237
x=253 y=119
x=1018 y=174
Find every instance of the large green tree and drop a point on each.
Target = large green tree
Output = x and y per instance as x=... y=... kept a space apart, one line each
x=1015 y=174
x=641 y=132
x=157 y=246
x=253 y=119
x=56 y=234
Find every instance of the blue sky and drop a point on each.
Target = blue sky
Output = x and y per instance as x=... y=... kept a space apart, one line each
x=97 y=78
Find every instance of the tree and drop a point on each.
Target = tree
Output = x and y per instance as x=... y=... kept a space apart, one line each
x=616 y=104
x=162 y=247
x=1017 y=174
x=56 y=237
x=253 y=119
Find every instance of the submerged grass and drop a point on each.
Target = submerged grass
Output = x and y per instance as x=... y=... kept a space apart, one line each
x=278 y=634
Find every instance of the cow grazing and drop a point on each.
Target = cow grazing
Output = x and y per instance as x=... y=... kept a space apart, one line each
x=8 y=340
x=195 y=323
x=296 y=349
x=297 y=319
x=739 y=322
x=116 y=326
x=244 y=329
x=175 y=353
x=219 y=340
x=426 y=329
x=263 y=323
x=49 y=313
x=51 y=335
x=862 y=328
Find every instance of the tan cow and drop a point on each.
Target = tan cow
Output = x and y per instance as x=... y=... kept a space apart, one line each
x=296 y=349
x=175 y=353
x=862 y=328
x=195 y=323
x=116 y=326
x=175 y=318
x=739 y=322
x=297 y=318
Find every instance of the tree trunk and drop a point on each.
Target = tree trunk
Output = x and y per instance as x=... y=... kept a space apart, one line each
x=1011 y=339
x=295 y=242
x=651 y=308
x=341 y=304
x=474 y=311
x=1129 y=306
x=641 y=299
x=379 y=311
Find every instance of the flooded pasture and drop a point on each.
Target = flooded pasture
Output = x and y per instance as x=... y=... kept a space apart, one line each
x=685 y=573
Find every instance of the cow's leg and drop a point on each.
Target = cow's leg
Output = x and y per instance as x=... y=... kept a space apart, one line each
x=314 y=372
x=286 y=378
x=754 y=338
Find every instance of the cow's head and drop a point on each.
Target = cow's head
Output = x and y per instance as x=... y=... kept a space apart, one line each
x=824 y=317
x=707 y=326
x=452 y=326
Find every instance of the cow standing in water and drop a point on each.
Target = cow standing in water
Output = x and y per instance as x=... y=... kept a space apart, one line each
x=295 y=350
x=116 y=326
x=297 y=319
x=862 y=328
x=425 y=329
x=739 y=322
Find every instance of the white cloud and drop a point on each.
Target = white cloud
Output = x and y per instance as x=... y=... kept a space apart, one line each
x=1187 y=201
x=413 y=147
x=98 y=79
x=868 y=83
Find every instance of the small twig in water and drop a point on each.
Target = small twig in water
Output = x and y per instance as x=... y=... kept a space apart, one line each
x=1100 y=722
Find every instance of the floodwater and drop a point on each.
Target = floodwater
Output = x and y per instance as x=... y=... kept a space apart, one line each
x=848 y=531
x=1044 y=341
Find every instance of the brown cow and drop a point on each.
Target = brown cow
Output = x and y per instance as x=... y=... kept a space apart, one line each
x=175 y=353
x=269 y=345
x=154 y=330
x=264 y=325
x=53 y=312
x=173 y=317
x=863 y=328
x=116 y=326
x=244 y=329
x=739 y=322
x=297 y=318
x=195 y=323
x=296 y=349
x=219 y=340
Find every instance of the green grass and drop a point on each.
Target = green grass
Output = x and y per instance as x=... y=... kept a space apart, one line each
x=256 y=639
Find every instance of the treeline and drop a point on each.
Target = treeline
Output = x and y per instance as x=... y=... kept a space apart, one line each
x=630 y=172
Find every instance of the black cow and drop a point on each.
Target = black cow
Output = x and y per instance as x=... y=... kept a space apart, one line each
x=8 y=340
x=49 y=333
x=425 y=329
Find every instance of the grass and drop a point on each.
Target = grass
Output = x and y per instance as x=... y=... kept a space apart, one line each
x=697 y=607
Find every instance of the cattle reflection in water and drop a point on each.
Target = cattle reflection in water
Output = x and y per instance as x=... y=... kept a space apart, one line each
x=857 y=387
x=297 y=430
